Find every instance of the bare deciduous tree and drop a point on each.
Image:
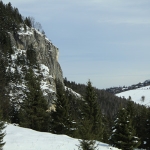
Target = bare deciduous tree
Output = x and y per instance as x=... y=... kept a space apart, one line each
x=142 y=98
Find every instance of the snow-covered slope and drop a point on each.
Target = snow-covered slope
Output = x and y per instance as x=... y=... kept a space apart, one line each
x=18 y=138
x=73 y=92
x=137 y=94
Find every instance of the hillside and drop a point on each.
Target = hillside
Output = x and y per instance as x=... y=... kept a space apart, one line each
x=34 y=95
x=18 y=138
x=140 y=95
x=109 y=103
x=115 y=90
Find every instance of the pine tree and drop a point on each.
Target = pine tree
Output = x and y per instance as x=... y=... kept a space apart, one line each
x=92 y=113
x=87 y=145
x=87 y=141
x=91 y=124
x=61 y=121
x=31 y=55
x=33 y=109
x=131 y=108
x=4 y=98
x=146 y=143
x=123 y=134
x=74 y=111
x=106 y=129
x=2 y=133
x=140 y=125
x=28 y=21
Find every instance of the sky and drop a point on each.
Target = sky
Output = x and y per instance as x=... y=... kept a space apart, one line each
x=106 y=41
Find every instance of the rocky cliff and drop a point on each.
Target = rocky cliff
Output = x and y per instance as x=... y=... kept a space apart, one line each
x=47 y=57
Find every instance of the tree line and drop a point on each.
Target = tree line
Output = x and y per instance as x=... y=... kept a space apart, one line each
x=96 y=115
x=134 y=117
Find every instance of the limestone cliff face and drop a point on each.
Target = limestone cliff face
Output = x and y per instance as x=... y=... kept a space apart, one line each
x=46 y=53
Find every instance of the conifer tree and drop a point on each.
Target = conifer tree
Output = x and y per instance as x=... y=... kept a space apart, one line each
x=61 y=121
x=146 y=132
x=74 y=111
x=91 y=125
x=31 y=55
x=106 y=129
x=131 y=108
x=4 y=98
x=123 y=134
x=33 y=109
x=92 y=113
x=140 y=125
x=87 y=145
x=2 y=133
x=28 y=21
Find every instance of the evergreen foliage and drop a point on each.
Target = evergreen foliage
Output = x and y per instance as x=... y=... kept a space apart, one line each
x=75 y=111
x=123 y=134
x=31 y=55
x=76 y=117
x=87 y=145
x=109 y=103
x=141 y=122
x=91 y=127
x=5 y=49
x=146 y=143
x=10 y=18
x=92 y=115
x=61 y=121
x=131 y=110
x=33 y=109
x=2 y=133
x=106 y=129
x=27 y=21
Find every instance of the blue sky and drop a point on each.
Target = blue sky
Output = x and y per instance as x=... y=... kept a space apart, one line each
x=106 y=41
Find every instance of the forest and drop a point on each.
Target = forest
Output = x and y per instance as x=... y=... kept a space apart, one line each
x=94 y=115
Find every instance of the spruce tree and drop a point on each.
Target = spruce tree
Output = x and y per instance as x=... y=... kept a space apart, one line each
x=91 y=124
x=141 y=123
x=87 y=145
x=61 y=121
x=74 y=111
x=146 y=141
x=31 y=55
x=33 y=109
x=131 y=108
x=92 y=113
x=123 y=134
x=4 y=98
x=2 y=133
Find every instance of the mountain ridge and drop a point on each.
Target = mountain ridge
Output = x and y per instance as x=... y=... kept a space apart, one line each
x=119 y=89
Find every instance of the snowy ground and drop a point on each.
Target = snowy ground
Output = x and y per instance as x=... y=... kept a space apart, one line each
x=137 y=94
x=18 y=138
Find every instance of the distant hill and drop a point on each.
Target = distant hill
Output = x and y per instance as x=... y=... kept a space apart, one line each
x=139 y=95
x=115 y=90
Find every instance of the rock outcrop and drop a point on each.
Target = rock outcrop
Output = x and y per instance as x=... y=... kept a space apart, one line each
x=47 y=56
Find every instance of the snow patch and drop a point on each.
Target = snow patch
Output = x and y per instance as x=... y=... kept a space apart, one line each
x=18 y=138
x=137 y=94
x=75 y=93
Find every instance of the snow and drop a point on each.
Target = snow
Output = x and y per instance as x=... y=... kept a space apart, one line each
x=46 y=87
x=75 y=93
x=44 y=70
x=18 y=138
x=137 y=94
x=23 y=32
x=29 y=32
x=18 y=88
